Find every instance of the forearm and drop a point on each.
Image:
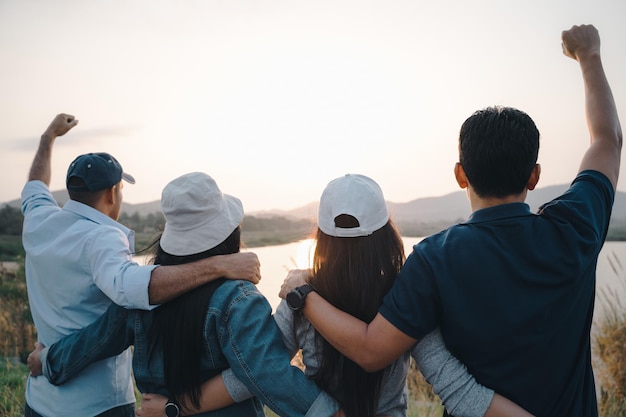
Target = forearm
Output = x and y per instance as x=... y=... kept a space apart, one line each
x=214 y=396
x=366 y=344
x=345 y=332
x=41 y=168
x=168 y=282
x=601 y=111
x=102 y=339
x=503 y=407
x=583 y=44
x=604 y=153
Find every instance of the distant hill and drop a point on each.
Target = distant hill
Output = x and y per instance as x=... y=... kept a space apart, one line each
x=445 y=209
x=142 y=209
x=453 y=206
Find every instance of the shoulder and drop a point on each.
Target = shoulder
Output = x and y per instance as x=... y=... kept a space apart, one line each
x=434 y=242
x=36 y=194
x=239 y=296
x=595 y=177
x=586 y=205
x=588 y=188
x=105 y=239
x=239 y=287
x=35 y=187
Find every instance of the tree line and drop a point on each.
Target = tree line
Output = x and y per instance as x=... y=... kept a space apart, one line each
x=256 y=231
x=11 y=220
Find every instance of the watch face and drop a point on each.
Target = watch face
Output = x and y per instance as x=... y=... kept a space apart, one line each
x=171 y=410
x=294 y=300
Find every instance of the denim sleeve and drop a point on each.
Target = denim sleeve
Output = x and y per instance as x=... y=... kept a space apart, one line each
x=459 y=391
x=254 y=349
x=107 y=336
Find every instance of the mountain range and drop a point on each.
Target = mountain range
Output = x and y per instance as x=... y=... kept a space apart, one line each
x=447 y=208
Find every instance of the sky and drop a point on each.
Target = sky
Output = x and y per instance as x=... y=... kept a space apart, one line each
x=276 y=98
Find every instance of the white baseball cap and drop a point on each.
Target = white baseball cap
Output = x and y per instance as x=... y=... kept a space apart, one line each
x=355 y=195
x=198 y=216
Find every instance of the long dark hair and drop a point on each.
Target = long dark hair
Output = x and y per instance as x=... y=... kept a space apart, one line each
x=178 y=326
x=353 y=274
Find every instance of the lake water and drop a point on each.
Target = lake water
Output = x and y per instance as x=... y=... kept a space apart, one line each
x=277 y=260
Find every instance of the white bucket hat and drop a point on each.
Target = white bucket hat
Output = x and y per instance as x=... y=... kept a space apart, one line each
x=198 y=216
x=355 y=195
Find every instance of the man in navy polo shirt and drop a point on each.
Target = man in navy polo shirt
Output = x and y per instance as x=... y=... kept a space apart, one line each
x=512 y=291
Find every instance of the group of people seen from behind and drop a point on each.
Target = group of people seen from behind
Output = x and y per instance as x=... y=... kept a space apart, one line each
x=496 y=310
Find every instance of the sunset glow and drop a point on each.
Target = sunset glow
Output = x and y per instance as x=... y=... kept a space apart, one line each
x=273 y=99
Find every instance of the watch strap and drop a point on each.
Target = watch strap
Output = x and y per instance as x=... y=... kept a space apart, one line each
x=305 y=289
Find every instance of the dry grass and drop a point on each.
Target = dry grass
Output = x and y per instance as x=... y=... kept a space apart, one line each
x=609 y=345
x=423 y=402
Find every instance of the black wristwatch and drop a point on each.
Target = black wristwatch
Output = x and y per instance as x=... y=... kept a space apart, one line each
x=172 y=409
x=295 y=298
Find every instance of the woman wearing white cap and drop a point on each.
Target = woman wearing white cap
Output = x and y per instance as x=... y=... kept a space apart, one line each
x=358 y=254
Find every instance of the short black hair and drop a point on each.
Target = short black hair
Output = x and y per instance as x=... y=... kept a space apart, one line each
x=498 y=149
x=89 y=198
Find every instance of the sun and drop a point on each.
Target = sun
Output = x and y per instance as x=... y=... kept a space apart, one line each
x=304 y=255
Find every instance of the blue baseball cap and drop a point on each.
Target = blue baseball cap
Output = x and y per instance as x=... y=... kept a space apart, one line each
x=98 y=171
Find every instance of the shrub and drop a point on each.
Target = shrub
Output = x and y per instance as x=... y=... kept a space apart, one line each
x=609 y=338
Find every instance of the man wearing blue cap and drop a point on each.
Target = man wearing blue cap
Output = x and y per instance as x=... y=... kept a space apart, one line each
x=79 y=260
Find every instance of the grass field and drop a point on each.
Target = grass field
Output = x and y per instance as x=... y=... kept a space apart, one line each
x=12 y=380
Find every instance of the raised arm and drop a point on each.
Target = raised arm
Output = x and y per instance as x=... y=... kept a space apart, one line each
x=582 y=43
x=168 y=282
x=41 y=168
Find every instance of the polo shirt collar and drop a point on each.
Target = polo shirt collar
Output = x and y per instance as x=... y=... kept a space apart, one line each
x=501 y=211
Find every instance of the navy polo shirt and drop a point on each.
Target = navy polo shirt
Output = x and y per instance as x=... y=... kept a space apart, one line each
x=513 y=293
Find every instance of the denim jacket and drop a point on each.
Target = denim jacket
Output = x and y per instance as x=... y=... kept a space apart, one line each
x=239 y=333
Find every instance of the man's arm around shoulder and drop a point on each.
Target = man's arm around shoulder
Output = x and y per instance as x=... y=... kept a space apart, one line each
x=373 y=346
x=168 y=282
